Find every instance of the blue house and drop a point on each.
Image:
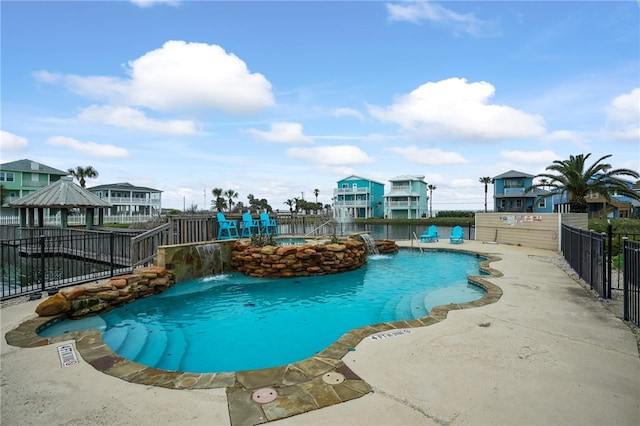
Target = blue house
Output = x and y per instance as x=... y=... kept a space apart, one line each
x=510 y=196
x=358 y=197
x=617 y=206
x=407 y=198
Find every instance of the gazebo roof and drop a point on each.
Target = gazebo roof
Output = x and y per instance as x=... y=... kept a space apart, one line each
x=63 y=193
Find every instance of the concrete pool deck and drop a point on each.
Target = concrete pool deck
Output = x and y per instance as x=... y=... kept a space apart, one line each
x=547 y=352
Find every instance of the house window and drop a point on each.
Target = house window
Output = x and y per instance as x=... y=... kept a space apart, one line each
x=518 y=203
x=6 y=177
x=513 y=183
x=542 y=203
x=344 y=185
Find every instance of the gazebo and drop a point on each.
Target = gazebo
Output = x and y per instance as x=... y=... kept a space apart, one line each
x=63 y=194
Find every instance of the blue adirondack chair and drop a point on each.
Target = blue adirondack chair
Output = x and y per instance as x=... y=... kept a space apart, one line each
x=430 y=235
x=250 y=226
x=269 y=225
x=457 y=235
x=227 y=228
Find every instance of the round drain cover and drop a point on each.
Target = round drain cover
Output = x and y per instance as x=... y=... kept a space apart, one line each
x=188 y=382
x=264 y=395
x=333 y=378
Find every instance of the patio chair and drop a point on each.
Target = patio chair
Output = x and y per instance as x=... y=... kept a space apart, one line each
x=457 y=235
x=250 y=226
x=227 y=228
x=430 y=235
x=269 y=225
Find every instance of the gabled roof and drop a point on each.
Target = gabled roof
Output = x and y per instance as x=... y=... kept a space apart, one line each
x=61 y=194
x=408 y=177
x=122 y=186
x=26 y=165
x=354 y=177
x=513 y=174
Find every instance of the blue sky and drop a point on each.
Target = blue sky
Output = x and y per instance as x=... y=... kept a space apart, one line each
x=276 y=99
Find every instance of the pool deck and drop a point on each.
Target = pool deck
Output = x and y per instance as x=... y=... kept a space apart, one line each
x=547 y=352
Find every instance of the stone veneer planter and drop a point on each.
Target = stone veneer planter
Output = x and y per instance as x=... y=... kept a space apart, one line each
x=319 y=258
x=96 y=298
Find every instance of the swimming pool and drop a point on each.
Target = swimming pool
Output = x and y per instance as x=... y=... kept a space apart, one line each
x=234 y=323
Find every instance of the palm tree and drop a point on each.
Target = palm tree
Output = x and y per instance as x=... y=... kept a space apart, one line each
x=216 y=201
x=81 y=173
x=576 y=181
x=231 y=194
x=486 y=180
x=431 y=189
x=290 y=203
x=316 y=192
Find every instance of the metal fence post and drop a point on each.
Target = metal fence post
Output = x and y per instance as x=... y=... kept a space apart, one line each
x=112 y=237
x=42 y=275
x=607 y=284
x=625 y=280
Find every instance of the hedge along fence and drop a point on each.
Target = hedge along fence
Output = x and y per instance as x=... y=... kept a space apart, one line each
x=536 y=230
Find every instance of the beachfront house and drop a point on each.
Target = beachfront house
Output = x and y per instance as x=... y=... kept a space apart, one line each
x=510 y=195
x=130 y=200
x=407 y=198
x=358 y=197
x=21 y=178
x=598 y=207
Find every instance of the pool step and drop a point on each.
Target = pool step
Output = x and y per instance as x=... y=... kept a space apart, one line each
x=411 y=306
x=135 y=340
x=154 y=346
x=444 y=296
x=114 y=337
x=174 y=350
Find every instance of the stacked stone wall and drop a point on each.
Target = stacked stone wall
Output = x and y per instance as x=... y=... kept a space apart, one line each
x=96 y=298
x=298 y=261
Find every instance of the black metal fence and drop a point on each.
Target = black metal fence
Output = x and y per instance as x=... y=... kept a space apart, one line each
x=61 y=257
x=631 y=266
x=585 y=252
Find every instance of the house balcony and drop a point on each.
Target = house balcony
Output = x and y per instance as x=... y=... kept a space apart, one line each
x=131 y=201
x=351 y=191
x=401 y=204
x=352 y=203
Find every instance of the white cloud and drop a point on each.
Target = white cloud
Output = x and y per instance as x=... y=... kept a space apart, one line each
x=11 y=142
x=544 y=157
x=347 y=112
x=150 y=3
x=340 y=155
x=457 y=109
x=419 y=11
x=572 y=137
x=131 y=118
x=429 y=156
x=282 y=132
x=623 y=117
x=178 y=76
x=91 y=149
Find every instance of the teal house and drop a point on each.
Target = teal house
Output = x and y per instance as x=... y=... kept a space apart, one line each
x=358 y=197
x=407 y=198
x=510 y=195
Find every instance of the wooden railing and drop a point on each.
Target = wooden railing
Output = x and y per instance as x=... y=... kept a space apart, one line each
x=144 y=247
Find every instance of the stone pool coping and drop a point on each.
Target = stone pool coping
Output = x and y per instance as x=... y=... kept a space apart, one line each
x=300 y=385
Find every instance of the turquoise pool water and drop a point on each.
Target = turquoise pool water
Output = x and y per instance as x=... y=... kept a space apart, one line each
x=234 y=323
